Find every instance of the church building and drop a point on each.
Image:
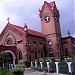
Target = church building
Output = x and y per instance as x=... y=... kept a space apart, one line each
x=23 y=43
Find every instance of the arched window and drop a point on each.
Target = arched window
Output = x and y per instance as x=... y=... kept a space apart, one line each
x=35 y=53
x=51 y=54
x=66 y=51
x=20 y=55
x=9 y=41
x=41 y=53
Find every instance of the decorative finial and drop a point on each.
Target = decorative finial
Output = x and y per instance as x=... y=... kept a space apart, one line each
x=39 y=10
x=25 y=27
x=8 y=19
x=68 y=33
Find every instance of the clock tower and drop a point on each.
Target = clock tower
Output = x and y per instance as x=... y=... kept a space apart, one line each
x=49 y=16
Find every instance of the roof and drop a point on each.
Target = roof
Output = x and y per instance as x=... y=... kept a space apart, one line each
x=29 y=31
x=69 y=37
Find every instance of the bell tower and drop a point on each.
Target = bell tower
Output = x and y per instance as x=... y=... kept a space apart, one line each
x=49 y=16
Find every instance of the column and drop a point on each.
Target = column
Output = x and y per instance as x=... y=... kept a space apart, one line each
x=57 y=69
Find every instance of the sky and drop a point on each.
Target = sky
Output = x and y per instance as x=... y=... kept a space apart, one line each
x=27 y=11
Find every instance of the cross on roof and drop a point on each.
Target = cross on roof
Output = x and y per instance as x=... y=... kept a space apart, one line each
x=8 y=19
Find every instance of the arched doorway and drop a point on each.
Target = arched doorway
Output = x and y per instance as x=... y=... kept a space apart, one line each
x=50 y=53
x=11 y=56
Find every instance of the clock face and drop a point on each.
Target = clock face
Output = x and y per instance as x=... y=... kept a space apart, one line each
x=47 y=18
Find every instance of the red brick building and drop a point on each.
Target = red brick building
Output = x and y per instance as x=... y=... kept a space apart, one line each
x=30 y=44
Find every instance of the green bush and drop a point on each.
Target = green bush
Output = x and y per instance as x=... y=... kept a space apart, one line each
x=28 y=63
x=20 y=65
x=36 y=68
x=51 y=70
x=17 y=70
x=47 y=59
x=21 y=61
x=57 y=60
x=69 y=59
x=63 y=67
x=52 y=67
x=4 y=71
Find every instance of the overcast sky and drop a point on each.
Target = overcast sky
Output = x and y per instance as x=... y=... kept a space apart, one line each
x=26 y=11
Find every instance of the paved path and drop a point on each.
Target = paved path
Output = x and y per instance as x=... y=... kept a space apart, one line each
x=29 y=71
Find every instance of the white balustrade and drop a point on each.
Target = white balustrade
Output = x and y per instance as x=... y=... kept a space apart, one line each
x=69 y=66
x=57 y=69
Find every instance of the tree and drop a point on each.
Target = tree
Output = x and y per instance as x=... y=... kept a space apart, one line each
x=4 y=58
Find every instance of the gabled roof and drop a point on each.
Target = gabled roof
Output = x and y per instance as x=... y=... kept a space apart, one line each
x=21 y=29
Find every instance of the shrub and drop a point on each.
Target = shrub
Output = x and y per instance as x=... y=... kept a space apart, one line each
x=28 y=63
x=21 y=61
x=18 y=71
x=41 y=59
x=51 y=70
x=63 y=67
x=52 y=67
x=20 y=65
x=4 y=71
x=56 y=60
x=47 y=59
x=69 y=59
